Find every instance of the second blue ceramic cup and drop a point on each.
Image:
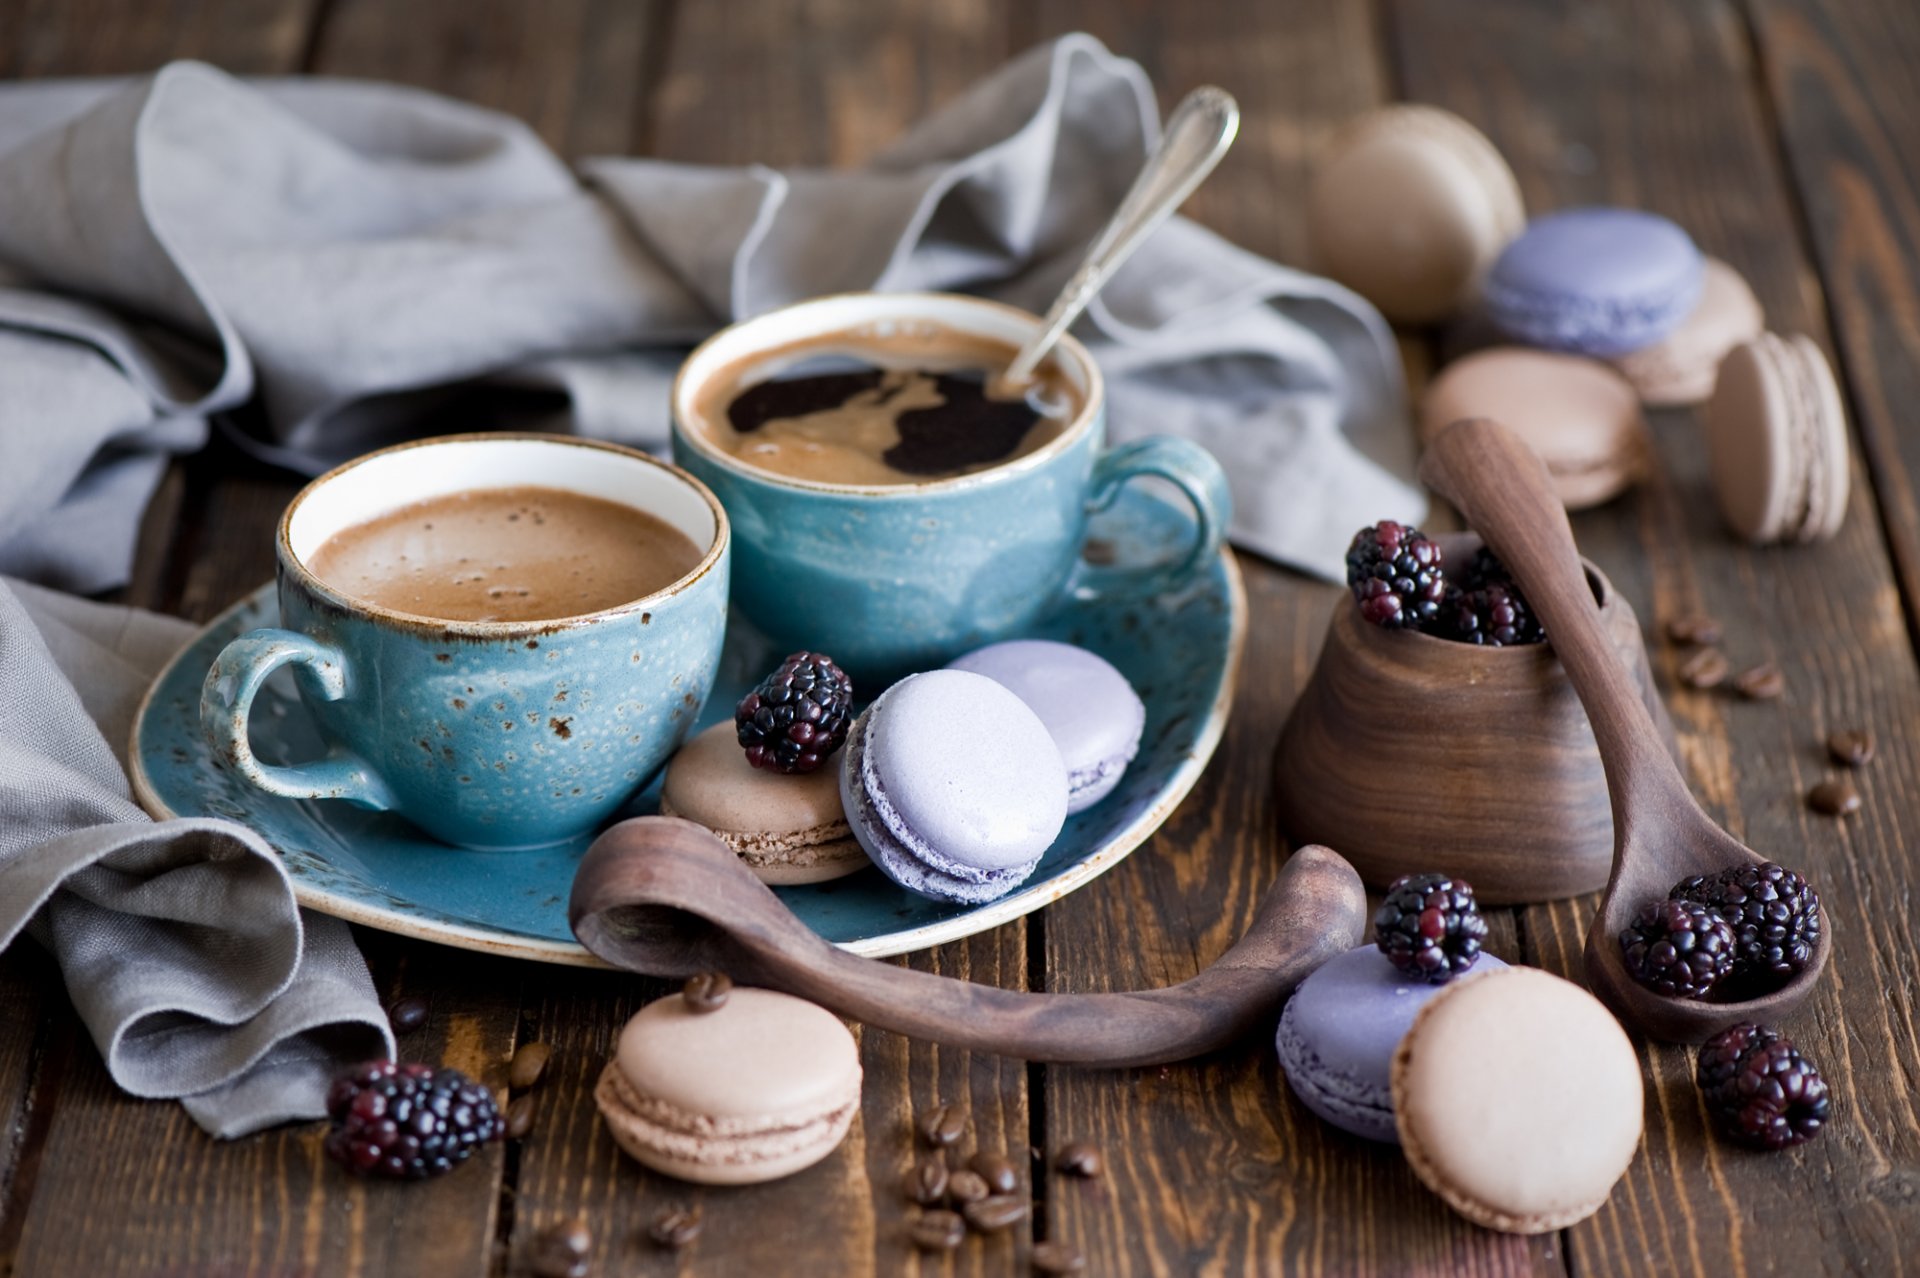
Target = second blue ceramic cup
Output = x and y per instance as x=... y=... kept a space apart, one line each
x=891 y=579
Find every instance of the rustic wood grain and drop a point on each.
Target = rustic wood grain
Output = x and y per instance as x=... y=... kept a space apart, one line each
x=1657 y=105
x=122 y=37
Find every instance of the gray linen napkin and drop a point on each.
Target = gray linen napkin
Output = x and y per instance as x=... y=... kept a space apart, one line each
x=366 y=262
x=180 y=941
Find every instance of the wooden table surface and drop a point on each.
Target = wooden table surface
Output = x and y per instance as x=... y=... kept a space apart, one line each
x=1784 y=134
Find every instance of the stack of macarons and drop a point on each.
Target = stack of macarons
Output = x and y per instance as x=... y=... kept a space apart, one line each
x=1602 y=310
x=953 y=782
x=1467 y=1064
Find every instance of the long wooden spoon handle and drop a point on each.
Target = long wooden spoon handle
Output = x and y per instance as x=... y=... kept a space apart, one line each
x=1503 y=489
x=667 y=898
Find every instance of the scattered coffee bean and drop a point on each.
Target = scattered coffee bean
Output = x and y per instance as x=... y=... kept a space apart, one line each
x=1835 y=796
x=707 y=991
x=561 y=1251
x=1696 y=630
x=996 y=1171
x=675 y=1227
x=943 y=1126
x=1058 y=1258
x=965 y=1187
x=1851 y=749
x=1706 y=668
x=938 y=1231
x=407 y=1014
x=1080 y=1159
x=927 y=1183
x=997 y=1212
x=1762 y=683
x=519 y=1117
x=527 y=1065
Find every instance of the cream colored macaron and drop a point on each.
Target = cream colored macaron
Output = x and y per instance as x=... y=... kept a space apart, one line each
x=756 y=1089
x=1518 y=1100
x=787 y=828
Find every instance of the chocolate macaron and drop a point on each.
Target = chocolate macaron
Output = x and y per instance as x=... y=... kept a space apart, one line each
x=1777 y=440
x=788 y=828
x=756 y=1088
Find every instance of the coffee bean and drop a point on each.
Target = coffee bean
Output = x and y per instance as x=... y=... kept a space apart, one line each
x=1057 y=1258
x=965 y=1187
x=707 y=991
x=1851 y=749
x=1762 y=683
x=519 y=1117
x=561 y=1251
x=677 y=1226
x=938 y=1231
x=527 y=1065
x=1696 y=630
x=407 y=1014
x=1080 y=1159
x=943 y=1126
x=996 y=1171
x=1706 y=668
x=997 y=1212
x=927 y=1183
x=1835 y=796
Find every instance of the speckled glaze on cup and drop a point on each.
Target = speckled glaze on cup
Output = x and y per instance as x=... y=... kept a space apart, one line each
x=488 y=735
x=894 y=579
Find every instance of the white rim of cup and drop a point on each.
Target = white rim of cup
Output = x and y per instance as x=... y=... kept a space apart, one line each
x=850 y=310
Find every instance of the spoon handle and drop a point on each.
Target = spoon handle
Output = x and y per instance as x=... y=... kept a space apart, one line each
x=1503 y=490
x=1197 y=135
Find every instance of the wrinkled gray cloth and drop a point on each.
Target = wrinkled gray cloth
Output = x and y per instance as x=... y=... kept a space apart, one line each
x=360 y=262
x=180 y=942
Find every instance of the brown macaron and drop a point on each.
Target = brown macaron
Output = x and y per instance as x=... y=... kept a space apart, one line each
x=1777 y=441
x=1577 y=413
x=789 y=829
x=1681 y=367
x=1518 y=1100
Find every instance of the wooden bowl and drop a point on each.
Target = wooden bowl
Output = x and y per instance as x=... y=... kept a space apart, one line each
x=1408 y=753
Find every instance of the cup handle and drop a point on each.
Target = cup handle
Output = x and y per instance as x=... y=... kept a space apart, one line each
x=1191 y=469
x=226 y=703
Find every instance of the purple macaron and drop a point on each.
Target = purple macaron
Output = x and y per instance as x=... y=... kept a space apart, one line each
x=1092 y=712
x=953 y=786
x=1595 y=281
x=1340 y=1030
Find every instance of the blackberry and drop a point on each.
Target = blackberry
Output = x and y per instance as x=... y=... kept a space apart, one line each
x=797 y=715
x=1774 y=914
x=1759 y=1089
x=408 y=1122
x=1394 y=572
x=1494 y=616
x=1429 y=926
x=1678 y=948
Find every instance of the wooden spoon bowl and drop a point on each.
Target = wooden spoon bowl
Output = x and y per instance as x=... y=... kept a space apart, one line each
x=666 y=897
x=1660 y=835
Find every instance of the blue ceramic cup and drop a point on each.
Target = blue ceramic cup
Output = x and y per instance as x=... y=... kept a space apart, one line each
x=891 y=579
x=491 y=735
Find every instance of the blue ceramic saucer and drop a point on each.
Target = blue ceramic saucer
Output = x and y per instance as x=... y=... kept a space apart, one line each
x=1181 y=651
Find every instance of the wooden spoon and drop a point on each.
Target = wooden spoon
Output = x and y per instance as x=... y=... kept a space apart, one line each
x=665 y=897
x=1660 y=835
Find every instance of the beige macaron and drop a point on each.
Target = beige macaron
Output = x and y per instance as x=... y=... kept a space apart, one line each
x=1777 y=442
x=1518 y=1100
x=1681 y=368
x=1577 y=413
x=788 y=828
x=757 y=1089
x=1408 y=206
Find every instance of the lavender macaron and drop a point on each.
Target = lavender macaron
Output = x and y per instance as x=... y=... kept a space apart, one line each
x=953 y=786
x=1091 y=711
x=1595 y=281
x=1339 y=1032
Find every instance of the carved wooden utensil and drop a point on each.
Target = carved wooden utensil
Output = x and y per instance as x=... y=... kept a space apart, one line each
x=665 y=897
x=1660 y=835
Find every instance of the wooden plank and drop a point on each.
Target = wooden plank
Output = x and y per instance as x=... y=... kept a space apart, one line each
x=124 y=37
x=36 y=1034
x=1656 y=105
x=1213 y=1167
